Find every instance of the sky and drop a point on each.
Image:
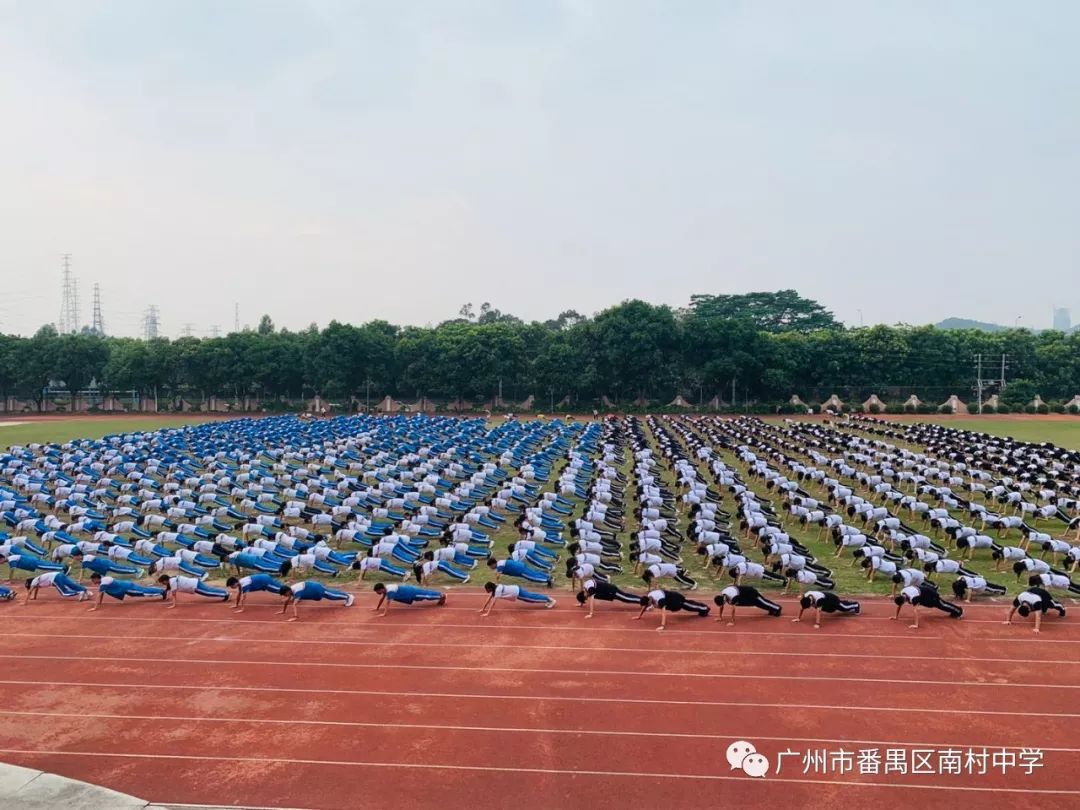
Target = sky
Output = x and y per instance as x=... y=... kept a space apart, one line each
x=339 y=159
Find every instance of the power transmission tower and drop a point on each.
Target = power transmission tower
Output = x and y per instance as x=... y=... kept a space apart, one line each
x=97 y=325
x=69 y=300
x=215 y=331
x=150 y=323
x=236 y=317
x=186 y=331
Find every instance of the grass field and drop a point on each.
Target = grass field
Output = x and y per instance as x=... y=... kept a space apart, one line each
x=63 y=430
x=1062 y=432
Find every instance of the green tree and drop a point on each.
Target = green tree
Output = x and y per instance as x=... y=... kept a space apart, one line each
x=783 y=311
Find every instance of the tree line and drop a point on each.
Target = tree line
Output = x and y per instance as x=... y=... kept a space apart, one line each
x=755 y=349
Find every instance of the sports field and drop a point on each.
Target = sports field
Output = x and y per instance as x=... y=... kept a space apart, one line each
x=19 y=429
x=1063 y=431
x=537 y=708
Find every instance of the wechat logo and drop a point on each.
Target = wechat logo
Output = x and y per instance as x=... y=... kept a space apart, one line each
x=743 y=756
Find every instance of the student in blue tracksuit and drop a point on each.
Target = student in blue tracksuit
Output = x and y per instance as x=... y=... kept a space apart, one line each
x=96 y=564
x=513 y=568
x=6 y=594
x=311 y=591
x=405 y=595
x=177 y=585
x=27 y=562
x=241 y=559
x=64 y=585
x=251 y=584
x=515 y=592
x=121 y=589
x=372 y=564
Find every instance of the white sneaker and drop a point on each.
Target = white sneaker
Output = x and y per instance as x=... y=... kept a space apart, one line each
x=465 y=580
x=551 y=604
x=84 y=595
x=349 y=600
x=407 y=577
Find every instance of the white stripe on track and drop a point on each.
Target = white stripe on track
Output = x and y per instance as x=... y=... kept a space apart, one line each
x=538 y=771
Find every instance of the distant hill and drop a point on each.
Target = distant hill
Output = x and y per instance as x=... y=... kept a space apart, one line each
x=966 y=323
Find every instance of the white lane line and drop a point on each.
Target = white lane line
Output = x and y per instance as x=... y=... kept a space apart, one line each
x=97 y=642
x=581 y=672
x=533 y=698
x=793 y=634
x=514 y=730
x=540 y=771
x=674 y=630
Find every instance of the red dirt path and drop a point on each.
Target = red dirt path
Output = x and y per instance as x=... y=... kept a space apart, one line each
x=440 y=708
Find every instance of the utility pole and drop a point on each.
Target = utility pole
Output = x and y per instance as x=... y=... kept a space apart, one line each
x=97 y=324
x=978 y=381
x=367 y=395
x=982 y=383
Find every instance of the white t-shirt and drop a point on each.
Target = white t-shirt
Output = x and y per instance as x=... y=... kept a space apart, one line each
x=44 y=580
x=183 y=584
x=911 y=592
x=974 y=583
x=730 y=592
x=507 y=591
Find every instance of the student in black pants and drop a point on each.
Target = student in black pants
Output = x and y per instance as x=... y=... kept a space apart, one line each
x=822 y=602
x=927 y=597
x=743 y=596
x=670 y=602
x=593 y=589
x=1037 y=601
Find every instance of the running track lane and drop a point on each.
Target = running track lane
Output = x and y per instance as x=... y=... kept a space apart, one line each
x=313 y=765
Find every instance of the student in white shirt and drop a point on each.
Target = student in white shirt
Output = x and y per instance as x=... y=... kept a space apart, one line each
x=670 y=602
x=65 y=586
x=822 y=602
x=405 y=595
x=311 y=591
x=964 y=587
x=593 y=589
x=743 y=596
x=925 y=596
x=1037 y=601
x=177 y=585
x=372 y=563
x=515 y=592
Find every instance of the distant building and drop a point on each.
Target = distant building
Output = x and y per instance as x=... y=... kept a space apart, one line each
x=1062 y=322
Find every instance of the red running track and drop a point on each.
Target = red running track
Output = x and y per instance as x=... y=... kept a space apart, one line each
x=438 y=707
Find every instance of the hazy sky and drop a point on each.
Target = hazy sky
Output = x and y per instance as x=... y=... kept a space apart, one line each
x=353 y=160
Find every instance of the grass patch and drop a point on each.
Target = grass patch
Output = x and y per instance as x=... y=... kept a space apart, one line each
x=1062 y=432
x=64 y=430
